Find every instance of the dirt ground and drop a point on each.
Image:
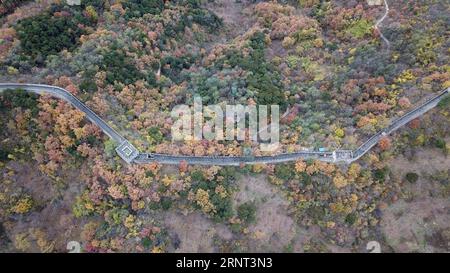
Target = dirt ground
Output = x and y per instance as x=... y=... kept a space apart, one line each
x=273 y=231
x=232 y=13
x=194 y=232
x=52 y=212
x=420 y=221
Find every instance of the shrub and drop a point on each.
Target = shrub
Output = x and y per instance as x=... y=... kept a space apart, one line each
x=216 y=203
x=137 y=8
x=247 y=212
x=316 y=212
x=46 y=34
x=350 y=218
x=147 y=242
x=118 y=66
x=110 y=148
x=284 y=171
x=438 y=143
x=19 y=98
x=265 y=80
x=8 y=6
x=339 y=133
x=166 y=203
x=223 y=207
x=360 y=28
x=412 y=177
x=83 y=206
x=380 y=174
x=308 y=3
x=91 y=13
x=205 y=18
x=88 y=85
x=97 y=4
x=23 y=205
x=155 y=135
x=193 y=14
x=3 y=154
x=197 y=176
x=445 y=103
x=172 y=67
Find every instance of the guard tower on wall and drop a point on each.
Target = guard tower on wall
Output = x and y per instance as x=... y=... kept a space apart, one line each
x=127 y=151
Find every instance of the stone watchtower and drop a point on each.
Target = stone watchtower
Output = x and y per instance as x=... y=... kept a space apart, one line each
x=127 y=151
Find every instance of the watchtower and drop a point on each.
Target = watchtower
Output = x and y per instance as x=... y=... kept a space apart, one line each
x=127 y=151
